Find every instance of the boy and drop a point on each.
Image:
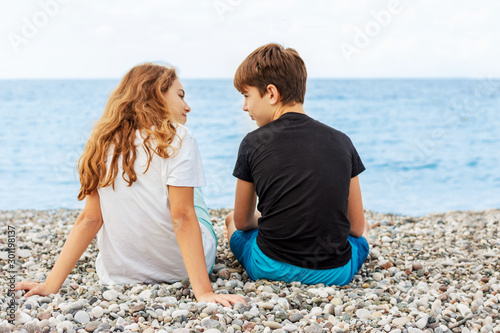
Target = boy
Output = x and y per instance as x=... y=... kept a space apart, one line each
x=310 y=224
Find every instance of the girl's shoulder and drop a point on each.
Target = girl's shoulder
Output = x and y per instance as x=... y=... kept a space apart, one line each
x=182 y=131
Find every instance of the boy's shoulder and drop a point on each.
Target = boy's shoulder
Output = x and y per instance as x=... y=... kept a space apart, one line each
x=319 y=125
x=300 y=124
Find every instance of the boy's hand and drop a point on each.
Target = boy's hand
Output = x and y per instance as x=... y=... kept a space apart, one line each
x=225 y=300
x=35 y=288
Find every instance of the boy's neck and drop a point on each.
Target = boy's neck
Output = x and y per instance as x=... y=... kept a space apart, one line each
x=281 y=110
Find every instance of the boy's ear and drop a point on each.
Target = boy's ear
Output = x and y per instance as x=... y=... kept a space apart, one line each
x=274 y=94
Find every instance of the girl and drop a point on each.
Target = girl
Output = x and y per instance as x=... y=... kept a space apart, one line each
x=139 y=173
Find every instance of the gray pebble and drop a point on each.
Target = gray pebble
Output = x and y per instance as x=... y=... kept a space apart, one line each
x=295 y=317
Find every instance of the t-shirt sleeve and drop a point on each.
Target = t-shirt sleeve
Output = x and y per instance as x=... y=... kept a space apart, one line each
x=242 y=168
x=185 y=168
x=357 y=164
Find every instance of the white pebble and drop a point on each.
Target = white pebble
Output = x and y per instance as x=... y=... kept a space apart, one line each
x=23 y=318
x=110 y=295
x=422 y=322
x=23 y=253
x=316 y=311
x=290 y=328
x=97 y=312
x=422 y=286
x=132 y=327
x=65 y=325
x=464 y=309
x=145 y=294
x=374 y=253
x=487 y=321
x=82 y=317
x=436 y=305
x=318 y=292
x=401 y=321
x=114 y=308
x=178 y=313
x=363 y=314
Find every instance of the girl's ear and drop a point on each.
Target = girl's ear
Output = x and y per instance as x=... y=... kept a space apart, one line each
x=274 y=94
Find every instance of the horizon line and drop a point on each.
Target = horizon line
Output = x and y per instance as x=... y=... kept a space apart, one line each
x=230 y=78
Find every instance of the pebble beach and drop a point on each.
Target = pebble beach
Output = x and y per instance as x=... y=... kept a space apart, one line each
x=434 y=273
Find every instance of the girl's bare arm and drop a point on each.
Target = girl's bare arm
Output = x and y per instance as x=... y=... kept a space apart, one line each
x=188 y=234
x=83 y=232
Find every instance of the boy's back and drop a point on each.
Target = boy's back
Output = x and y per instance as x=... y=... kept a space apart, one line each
x=309 y=225
x=301 y=168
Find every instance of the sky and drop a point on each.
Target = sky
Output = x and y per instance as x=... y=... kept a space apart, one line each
x=210 y=38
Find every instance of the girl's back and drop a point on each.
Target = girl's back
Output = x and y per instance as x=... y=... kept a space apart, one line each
x=137 y=242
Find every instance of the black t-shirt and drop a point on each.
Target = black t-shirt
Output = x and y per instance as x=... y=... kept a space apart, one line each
x=302 y=170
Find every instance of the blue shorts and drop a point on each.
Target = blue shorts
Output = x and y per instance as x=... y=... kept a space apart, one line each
x=259 y=266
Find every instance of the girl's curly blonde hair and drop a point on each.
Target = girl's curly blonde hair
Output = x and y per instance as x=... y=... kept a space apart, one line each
x=138 y=103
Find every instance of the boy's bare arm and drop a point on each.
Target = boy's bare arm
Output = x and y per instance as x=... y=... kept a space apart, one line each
x=355 y=212
x=245 y=215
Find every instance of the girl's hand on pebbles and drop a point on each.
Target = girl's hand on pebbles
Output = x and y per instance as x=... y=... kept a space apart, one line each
x=225 y=300
x=34 y=288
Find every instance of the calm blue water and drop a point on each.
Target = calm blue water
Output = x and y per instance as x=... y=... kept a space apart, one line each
x=428 y=145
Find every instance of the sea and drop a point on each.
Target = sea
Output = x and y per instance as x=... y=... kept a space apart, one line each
x=428 y=145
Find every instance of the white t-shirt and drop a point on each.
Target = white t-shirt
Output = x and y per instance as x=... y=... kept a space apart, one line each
x=137 y=243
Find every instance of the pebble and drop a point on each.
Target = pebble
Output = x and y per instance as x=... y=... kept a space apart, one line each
x=316 y=311
x=363 y=314
x=23 y=318
x=433 y=273
x=82 y=317
x=422 y=323
x=272 y=325
x=248 y=326
x=110 y=295
x=464 y=309
x=92 y=326
x=401 y=321
x=210 y=323
x=290 y=328
x=266 y=306
x=417 y=266
x=65 y=325
x=296 y=317
x=97 y=312
x=179 y=313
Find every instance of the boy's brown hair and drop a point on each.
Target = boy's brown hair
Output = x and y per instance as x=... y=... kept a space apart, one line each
x=274 y=64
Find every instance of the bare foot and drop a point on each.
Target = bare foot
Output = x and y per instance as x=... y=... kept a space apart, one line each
x=367 y=228
x=224 y=229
